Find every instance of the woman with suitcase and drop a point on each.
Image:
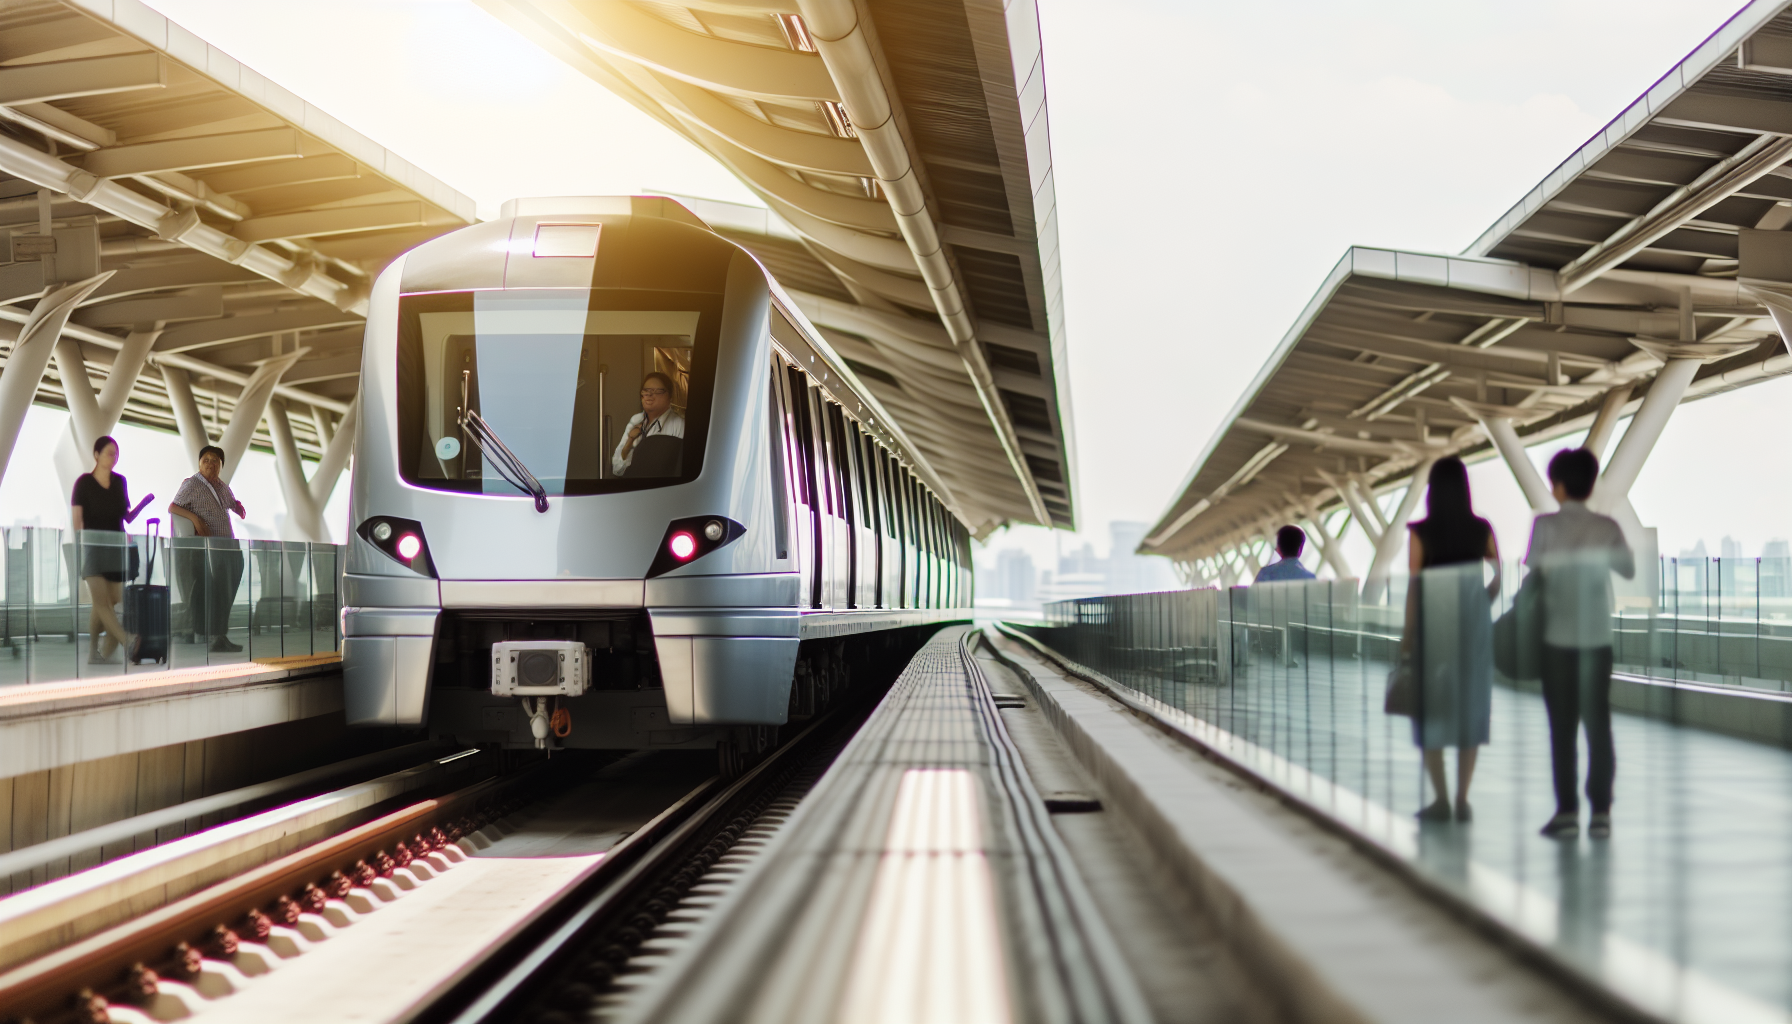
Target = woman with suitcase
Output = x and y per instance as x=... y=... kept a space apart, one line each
x=101 y=503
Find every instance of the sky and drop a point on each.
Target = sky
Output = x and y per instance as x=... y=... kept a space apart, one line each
x=1212 y=160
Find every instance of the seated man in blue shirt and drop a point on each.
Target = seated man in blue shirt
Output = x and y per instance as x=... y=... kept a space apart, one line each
x=1290 y=542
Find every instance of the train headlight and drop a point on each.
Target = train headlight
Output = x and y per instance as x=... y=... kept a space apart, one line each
x=400 y=540
x=687 y=540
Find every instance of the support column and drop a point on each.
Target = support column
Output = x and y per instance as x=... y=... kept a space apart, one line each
x=335 y=457
x=1251 y=560
x=84 y=416
x=1606 y=423
x=305 y=501
x=1496 y=421
x=320 y=421
x=1375 y=584
x=93 y=415
x=250 y=405
x=1328 y=546
x=1371 y=528
x=187 y=417
x=1366 y=491
x=30 y=356
x=302 y=519
x=1645 y=429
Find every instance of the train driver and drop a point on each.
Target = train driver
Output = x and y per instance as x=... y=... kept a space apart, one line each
x=657 y=418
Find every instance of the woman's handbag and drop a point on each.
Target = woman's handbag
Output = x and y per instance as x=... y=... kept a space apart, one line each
x=1401 y=699
x=1518 y=633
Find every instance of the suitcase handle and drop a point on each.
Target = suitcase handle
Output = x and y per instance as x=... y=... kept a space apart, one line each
x=154 y=531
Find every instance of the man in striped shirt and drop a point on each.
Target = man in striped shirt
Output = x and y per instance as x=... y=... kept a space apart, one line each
x=206 y=501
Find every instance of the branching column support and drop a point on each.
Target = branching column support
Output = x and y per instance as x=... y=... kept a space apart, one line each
x=1371 y=526
x=1375 y=584
x=250 y=405
x=306 y=500
x=30 y=356
x=187 y=418
x=94 y=414
x=1329 y=548
x=1606 y=423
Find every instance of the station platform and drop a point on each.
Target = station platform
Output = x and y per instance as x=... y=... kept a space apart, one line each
x=83 y=753
x=1679 y=914
x=1000 y=842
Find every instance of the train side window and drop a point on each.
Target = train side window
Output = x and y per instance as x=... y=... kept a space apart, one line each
x=894 y=519
x=803 y=438
x=841 y=462
x=826 y=480
x=865 y=478
x=774 y=416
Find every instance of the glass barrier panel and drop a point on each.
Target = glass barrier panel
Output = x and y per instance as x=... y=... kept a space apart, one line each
x=326 y=623
x=16 y=615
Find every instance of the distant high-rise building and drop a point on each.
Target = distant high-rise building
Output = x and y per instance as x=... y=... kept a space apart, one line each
x=1776 y=569
x=1729 y=548
x=1016 y=578
x=1130 y=572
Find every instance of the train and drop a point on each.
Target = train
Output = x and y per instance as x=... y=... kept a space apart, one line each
x=613 y=490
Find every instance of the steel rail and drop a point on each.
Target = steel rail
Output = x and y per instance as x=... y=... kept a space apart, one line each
x=103 y=963
x=673 y=838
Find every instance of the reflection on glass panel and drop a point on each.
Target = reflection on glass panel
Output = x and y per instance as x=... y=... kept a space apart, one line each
x=182 y=602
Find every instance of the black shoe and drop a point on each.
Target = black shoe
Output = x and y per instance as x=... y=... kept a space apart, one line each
x=1464 y=813
x=1565 y=825
x=222 y=645
x=1438 y=811
x=1600 y=826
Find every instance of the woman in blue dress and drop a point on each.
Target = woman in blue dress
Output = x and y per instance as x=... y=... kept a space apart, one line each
x=1449 y=633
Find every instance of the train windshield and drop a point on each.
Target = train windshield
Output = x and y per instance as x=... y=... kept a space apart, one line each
x=586 y=392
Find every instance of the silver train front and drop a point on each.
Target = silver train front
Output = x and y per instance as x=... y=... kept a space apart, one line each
x=677 y=649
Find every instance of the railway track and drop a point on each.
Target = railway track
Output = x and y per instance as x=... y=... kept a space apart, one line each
x=430 y=911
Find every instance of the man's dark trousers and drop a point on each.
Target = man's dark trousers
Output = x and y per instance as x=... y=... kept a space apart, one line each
x=1577 y=687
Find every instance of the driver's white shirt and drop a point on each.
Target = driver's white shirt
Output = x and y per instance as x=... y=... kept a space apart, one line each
x=670 y=424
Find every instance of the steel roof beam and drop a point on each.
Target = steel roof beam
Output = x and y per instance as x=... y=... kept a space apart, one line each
x=239 y=328
x=344 y=220
x=1722 y=180
x=203 y=303
x=846 y=49
x=756 y=72
x=824 y=154
x=91 y=76
x=195 y=153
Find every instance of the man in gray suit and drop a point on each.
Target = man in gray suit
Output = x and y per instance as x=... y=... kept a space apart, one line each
x=1576 y=550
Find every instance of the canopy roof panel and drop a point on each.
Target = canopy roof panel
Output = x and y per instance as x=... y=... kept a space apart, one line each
x=903 y=150
x=237 y=219
x=1666 y=229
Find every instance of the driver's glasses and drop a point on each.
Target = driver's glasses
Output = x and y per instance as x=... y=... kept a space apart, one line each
x=652 y=392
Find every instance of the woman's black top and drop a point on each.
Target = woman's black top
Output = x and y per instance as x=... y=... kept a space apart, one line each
x=1451 y=543
x=102 y=508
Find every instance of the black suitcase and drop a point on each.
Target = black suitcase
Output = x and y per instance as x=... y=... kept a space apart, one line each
x=147 y=610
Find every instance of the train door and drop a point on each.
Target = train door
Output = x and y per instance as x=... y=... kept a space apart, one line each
x=871 y=458
x=789 y=498
x=806 y=466
x=864 y=590
x=840 y=534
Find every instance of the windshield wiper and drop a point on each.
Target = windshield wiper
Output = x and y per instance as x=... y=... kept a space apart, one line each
x=508 y=465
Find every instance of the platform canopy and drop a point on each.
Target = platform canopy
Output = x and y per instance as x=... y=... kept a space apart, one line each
x=1655 y=258
x=241 y=227
x=902 y=149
